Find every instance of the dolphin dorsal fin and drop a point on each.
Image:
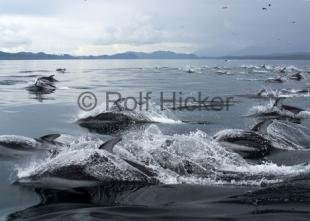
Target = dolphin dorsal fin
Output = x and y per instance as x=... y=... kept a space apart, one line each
x=50 y=137
x=141 y=168
x=109 y=145
x=260 y=125
x=257 y=126
x=277 y=101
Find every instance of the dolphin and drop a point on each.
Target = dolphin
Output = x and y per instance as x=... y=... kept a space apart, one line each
x=294 y=91
x=61 y=70
x=304 y=90
x=91 y=169
x=107 y=122
x=261 y=92
x=25 y=143
x=14 y=146
x=291 y=109
x=43 y=85
x=298 y=76
x=263 y=66
x=281 y=111
x=248 y=144
x=275 y=80
x=262 y=125
x=115 y=119
x=50 y=78
x=177 y=164
x=283 y=70
x=264 y=93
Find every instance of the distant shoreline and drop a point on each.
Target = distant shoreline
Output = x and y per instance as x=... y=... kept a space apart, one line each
x=157 y=55
x=135 y=59
x=124 y=59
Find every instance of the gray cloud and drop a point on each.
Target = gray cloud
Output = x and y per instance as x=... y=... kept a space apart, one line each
x=12 y=37
x=203 y=26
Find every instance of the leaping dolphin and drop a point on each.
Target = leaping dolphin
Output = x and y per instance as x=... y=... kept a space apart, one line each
x=116 y=118
x=291 y=109
x=43 y=85
x=16 y=146
x=248 y=144
x=92 y=168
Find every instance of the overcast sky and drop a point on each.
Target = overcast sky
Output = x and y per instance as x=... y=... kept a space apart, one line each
x=209 y=27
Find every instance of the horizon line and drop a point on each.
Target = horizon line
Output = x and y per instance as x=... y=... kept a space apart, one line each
x=183 y=55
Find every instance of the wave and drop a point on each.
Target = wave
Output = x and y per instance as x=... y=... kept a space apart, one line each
x=268 y=68
x=34 y=71
x=249 y=79
x=12 y=82
x=287 y=93
x=256 y=67
x=249 y=66
x=193 y=158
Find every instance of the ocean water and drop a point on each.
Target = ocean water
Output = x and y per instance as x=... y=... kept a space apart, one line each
x=226 y=186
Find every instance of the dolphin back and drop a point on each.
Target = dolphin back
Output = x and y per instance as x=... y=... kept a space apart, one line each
x=50 y=137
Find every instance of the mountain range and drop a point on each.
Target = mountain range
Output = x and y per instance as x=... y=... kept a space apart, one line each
x=126 y=55
x=152 y=55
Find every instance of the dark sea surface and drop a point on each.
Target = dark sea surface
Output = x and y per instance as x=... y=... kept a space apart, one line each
x=70 y=179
